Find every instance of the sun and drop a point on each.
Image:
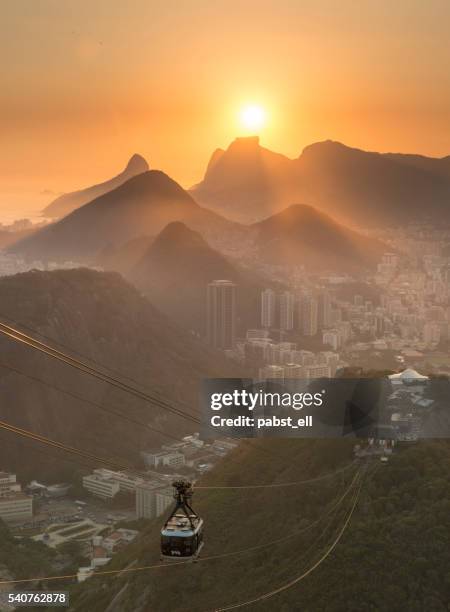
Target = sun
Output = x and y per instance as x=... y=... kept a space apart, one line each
x=252 y=117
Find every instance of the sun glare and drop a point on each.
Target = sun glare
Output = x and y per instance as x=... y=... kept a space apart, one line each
x=252 y=117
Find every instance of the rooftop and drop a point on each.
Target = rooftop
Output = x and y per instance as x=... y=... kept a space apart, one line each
x=408 y=374
x=180 y=525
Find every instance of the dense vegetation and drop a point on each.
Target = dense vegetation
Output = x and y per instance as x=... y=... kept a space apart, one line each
x=23 y=558
x=395 y=555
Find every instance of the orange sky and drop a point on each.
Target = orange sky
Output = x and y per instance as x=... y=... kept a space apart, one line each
x=87 y=83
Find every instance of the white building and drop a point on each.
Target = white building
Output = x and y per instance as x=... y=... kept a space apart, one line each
x=101 y=486
x=168 y=458
x=8 y=483
x=152 y=499
x=164 y=499
x=15 y=506
x=107 y=483
x=127 y=482
x=146 y=500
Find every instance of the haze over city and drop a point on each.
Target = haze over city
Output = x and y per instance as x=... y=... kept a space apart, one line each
x=225 y=305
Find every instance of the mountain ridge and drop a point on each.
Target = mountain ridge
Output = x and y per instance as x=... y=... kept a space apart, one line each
x=144 y=204
x=247 y=182
x=67 y=202
x=301 y=234
x=176 y=269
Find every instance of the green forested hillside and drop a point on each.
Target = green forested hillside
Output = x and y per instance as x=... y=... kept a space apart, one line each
x=23 y=558
x=395 y=554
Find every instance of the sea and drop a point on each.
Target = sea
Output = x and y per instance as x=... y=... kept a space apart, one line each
x=15 y=207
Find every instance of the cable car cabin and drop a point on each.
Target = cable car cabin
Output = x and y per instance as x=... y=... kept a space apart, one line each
x=182 y=534
x=181 y=538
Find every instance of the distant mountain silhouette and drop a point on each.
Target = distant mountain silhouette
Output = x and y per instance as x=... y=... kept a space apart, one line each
x=176 y=269
x=429 y=164
x=142 y=206
x=245 y=181
x=123 y=258
x=248 y=182
x=301 y=235
x=68 y=202
x=372 y=189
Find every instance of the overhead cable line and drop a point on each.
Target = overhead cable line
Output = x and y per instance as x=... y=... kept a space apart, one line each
x=117 y=465
x=22 y=338
x=69 y=449
x=302 y=576
x=85 y=357
x=276 y=484
x=106 y=409
x=329 y=512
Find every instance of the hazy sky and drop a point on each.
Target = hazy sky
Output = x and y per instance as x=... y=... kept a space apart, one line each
x=85 y=83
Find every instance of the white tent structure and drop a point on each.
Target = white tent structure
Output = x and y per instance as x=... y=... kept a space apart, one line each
x=408 y=376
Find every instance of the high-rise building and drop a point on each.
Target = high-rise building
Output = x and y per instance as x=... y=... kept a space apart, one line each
x=221 y=314
x=164 y=500
x=324 y=310
x=268 y=307
x=287 y=305
x=152 y=499
x=309 y=316
x=146 y=500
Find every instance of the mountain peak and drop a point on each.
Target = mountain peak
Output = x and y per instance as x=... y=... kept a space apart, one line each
x=68 y=202
x=294 y=215
x=136 y=164
x=214 y=159
x=155 y=183
x=178 y=234
x=300 y=210
x=244 y=143
x=302 y=234
x=328 y=146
